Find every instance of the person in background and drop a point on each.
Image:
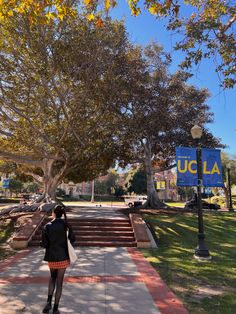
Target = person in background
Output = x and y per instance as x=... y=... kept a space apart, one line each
x=54 y=239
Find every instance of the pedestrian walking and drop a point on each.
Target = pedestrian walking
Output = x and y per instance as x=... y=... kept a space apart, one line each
x=54 y=239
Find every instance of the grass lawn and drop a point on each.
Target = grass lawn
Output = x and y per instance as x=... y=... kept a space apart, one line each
x=175 y=204
x=204 y=287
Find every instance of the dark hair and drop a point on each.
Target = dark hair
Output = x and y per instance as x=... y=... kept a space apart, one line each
x=60 y=210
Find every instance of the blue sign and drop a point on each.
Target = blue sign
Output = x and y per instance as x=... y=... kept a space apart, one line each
x=6 y=183
x=211 y=168
x=187 y=167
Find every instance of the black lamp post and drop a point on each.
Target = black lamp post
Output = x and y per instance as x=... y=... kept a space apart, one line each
x=229 y=188
x=201 y=251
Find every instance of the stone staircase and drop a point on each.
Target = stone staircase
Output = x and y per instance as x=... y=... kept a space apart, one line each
x=103 y=232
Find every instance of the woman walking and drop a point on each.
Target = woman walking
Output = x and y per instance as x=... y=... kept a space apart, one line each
x=54 y=239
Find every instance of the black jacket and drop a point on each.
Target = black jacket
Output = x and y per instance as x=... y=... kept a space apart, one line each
x=54 y=239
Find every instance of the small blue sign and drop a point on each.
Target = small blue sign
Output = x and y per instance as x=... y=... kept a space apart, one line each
x=6 y=183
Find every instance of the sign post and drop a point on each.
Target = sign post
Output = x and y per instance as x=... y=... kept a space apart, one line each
x=200 y=167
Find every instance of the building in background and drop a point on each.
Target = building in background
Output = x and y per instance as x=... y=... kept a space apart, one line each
x=76 y=189
x=165 y=183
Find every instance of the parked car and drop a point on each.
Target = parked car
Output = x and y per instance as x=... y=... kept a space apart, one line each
x=192 y=204
x=135 y=200
x=35 y=197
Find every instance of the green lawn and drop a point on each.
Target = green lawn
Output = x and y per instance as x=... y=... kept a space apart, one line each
x=204 y=287
x=175 y=204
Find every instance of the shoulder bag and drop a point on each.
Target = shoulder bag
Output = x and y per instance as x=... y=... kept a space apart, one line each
x=72 y=254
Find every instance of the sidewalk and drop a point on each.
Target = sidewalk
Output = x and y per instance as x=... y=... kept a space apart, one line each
x=102 y=281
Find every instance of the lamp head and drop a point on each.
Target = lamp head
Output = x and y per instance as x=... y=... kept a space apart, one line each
x=196 y=132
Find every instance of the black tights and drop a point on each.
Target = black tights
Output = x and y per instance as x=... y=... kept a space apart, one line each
x=56 y=279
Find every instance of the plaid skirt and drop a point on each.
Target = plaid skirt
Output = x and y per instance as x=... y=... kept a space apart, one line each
x=59 y=265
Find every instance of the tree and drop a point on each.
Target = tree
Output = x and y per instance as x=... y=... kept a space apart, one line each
x=61 y=85
x=209 y=32
x=15 y=186
x=107 y=185
x=206 y=26
x=100 y=187
x=138 y=182
x=185 y=193
x=112 y=181
x=228 y=161
x=159 y=117
x=119 y=191
x=31 y=187
x=7 y=168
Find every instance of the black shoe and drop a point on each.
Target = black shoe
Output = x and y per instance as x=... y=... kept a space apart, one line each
x=47 y=307
x=56 y=312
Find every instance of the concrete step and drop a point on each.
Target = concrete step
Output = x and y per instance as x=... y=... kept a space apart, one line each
x=100 y=229
x=71 y=220
x=106 y=222
x=104 y=233
x=105 y=238
x=103 y=228
x=38 y=235
x=96 y=243
x=106 y=244
x=100 y=223
x=97 y=232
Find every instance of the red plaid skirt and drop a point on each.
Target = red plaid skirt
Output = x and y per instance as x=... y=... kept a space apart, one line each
x=59 y=265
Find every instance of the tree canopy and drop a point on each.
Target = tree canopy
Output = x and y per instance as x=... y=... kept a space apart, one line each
x=206 y=26
x=160 y=115
x=60 y=87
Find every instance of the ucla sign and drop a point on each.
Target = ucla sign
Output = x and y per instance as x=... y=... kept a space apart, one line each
x=186 y=160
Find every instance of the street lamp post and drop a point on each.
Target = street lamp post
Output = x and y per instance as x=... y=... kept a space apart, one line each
x=201 y=251
x=229 y=188
x=92 y=192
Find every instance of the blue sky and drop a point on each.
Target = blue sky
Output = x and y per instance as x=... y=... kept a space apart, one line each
x=146 y=28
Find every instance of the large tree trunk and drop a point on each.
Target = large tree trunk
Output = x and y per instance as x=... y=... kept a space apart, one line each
x=50 y=187
x=153 y=200
x=226 y=192
x=50 y=182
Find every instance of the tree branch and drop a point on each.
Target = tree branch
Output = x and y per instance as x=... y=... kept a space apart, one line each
x=35 y=176
x=157 y=170
x=5 y=133
x=21 y=159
